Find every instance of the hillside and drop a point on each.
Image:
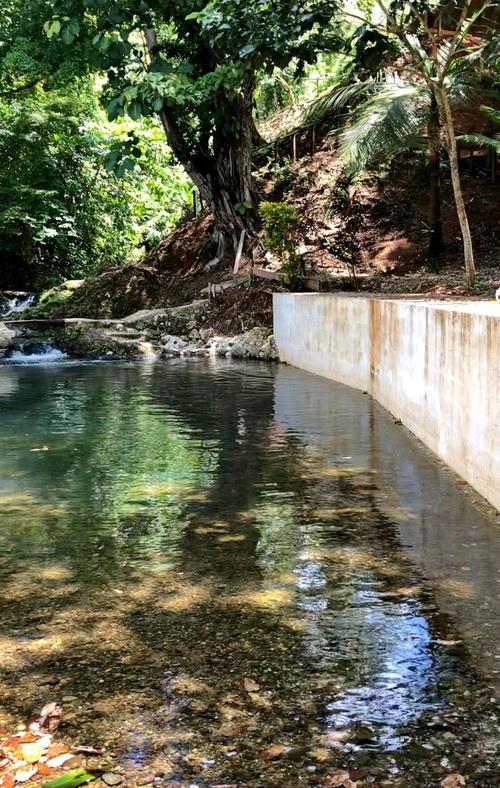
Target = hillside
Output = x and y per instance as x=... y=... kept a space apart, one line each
x=370 y=236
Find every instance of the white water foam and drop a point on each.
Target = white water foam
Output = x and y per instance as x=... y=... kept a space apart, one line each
x=52 y=355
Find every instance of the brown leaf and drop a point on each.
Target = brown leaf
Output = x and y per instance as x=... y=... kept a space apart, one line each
x=7 y=781
x=49 y=719
x=333 y=737
x=229 y=731
x=250 y=685
x=43 y=768
x=56 y=749
x=338 y=778
x=28 y=737
x=453 y=781
x=272 y=752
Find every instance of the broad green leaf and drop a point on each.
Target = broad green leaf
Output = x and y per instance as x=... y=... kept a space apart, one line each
x=71 y=779
x=67 y=36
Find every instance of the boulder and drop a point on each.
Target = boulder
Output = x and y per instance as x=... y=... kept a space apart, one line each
x=177 y=321
x=7 y=338
x=146 y=318
x=258 y=343
x=172 y=346
x=99 y=343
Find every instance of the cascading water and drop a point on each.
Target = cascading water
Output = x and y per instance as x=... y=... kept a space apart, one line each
x=17 y=302
x=35 y=351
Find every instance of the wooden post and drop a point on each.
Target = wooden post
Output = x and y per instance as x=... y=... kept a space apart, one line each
x=201 y=202
x=239 y=252
x=194 y=203
x=294 y=147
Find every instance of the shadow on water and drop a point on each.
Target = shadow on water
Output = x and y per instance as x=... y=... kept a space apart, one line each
x=206 y=561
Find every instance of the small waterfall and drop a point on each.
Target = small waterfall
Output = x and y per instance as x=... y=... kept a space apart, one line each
x=35 y=351
x=17 y=302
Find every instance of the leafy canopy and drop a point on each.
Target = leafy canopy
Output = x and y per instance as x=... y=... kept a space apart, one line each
x=204 y=57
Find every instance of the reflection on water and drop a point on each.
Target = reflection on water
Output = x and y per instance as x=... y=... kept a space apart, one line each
x=206 y=561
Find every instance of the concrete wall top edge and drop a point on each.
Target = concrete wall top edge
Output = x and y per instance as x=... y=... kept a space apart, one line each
x=486 y=308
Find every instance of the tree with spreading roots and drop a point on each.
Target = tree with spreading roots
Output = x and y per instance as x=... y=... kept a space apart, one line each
x=195 y=65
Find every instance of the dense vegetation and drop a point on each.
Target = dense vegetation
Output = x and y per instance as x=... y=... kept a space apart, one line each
x=111 y=111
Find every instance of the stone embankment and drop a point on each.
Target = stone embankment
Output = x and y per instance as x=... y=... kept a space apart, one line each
x=153 y=333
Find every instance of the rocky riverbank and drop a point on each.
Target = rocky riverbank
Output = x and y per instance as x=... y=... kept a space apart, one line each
x=155 y=333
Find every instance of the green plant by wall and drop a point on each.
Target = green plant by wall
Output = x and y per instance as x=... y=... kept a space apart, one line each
x=280 y=223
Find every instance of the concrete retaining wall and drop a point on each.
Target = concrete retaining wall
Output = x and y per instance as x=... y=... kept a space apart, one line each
x=435 y=366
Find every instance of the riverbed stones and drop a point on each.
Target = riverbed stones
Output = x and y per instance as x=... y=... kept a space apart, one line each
x=257 y=344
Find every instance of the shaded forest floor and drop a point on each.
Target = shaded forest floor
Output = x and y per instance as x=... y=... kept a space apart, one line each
x=369 y=237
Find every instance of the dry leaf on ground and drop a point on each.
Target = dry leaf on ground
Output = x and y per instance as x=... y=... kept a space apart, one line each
x=453 y=781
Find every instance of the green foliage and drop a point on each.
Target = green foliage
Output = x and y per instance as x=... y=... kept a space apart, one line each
x=71 y=779
x=62 y=213
x=206 y=59
x=280 y=223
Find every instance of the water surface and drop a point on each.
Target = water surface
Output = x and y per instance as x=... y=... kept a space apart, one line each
x=242 y=574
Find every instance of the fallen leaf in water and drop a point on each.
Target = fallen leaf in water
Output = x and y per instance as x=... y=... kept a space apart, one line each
x=250 y=685
x=230 y=731
x=25 y=774
x=320 y=754
x=31 y=752
x=338 y=778
x=49 y=719
x=453 y=781
x=272 y=752
x=26 y=738
x=71 y=779
x=43 y=768
x=56 y=749
x=448 y=642
x=334 y=737
x=59 y=760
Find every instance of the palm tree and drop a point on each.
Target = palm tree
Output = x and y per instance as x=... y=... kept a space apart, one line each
x=390 y=115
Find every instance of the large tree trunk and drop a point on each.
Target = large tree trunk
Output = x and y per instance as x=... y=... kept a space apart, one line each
x=451 y=144
x=436 y=244
x=222 y=167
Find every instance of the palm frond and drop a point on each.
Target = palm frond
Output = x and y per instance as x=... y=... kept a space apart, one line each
x=339 y=98
x=478 y=141
x=491 y=114
x=388 y=123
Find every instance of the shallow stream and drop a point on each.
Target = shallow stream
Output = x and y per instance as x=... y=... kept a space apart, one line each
x=240 y=574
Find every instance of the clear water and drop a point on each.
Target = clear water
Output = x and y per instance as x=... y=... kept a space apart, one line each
x=205 y=560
